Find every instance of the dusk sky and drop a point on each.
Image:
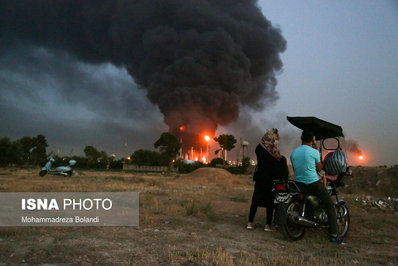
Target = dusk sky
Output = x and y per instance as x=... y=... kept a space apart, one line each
x=340 y=64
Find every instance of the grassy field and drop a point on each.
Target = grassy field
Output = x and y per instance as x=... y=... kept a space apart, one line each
x=192 y=219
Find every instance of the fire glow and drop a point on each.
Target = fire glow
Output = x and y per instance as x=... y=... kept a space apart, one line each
x=195 y=146
x=360 y=157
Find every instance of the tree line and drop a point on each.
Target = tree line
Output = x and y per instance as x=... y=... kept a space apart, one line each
x=169 y=149
x=27 y=150
x=170 y=146
x=32 y=151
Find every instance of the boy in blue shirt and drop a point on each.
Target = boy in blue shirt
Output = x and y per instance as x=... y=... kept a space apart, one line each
x=306 y=162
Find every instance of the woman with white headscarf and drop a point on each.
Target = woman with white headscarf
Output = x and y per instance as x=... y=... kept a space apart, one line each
x=270 y=166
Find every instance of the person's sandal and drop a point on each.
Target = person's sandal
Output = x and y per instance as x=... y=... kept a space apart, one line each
x=250 y=226
x=337 y=240
x=269 y=228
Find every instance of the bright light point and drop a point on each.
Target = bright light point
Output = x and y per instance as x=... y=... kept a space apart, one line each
x=360 y=157
x=207 y=138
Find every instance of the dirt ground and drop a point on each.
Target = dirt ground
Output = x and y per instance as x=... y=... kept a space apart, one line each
x=199 y=219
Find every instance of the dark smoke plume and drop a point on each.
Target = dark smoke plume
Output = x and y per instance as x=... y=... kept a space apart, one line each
x=199 y=61
x=353 y=147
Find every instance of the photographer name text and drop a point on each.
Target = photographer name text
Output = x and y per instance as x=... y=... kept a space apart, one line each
x=76 y=219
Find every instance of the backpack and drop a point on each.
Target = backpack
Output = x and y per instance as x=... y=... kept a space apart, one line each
x=335 y=163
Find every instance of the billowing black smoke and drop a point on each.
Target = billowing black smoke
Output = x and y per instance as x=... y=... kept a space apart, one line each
x=198 y=60
x=353 y=147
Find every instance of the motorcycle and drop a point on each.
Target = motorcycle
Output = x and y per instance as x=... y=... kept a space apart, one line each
x=64 y=169
x=297 y=211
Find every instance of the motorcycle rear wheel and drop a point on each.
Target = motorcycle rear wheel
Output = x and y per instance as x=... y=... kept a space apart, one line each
x=42 y=173
x=343 y=220
x=290 y=230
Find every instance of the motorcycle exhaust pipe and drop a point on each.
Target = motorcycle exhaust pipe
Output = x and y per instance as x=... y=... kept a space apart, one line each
x=303 y=221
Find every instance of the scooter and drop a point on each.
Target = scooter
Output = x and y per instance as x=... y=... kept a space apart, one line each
x=64 y=170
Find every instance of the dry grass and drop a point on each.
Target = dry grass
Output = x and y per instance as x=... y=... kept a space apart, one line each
x=195 y=219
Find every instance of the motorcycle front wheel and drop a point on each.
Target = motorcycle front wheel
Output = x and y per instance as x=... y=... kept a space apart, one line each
x=290 y=230
x=42 y=173
x=343 y=220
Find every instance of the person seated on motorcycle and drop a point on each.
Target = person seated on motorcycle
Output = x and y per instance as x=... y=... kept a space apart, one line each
x=270 y=165
x=306 y=162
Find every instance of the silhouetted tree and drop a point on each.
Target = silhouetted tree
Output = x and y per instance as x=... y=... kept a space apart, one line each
x=95 y=158
x=23 y=151
x=227 y=142
x=145 y=157
x=92 y=154
x=27 y=146
x=245 y=163
x=217 y=161
x=11 y=152
x=38 y=154
x=5 y=151
x=169 y=147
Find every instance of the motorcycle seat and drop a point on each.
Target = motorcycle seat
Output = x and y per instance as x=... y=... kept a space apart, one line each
x=60 y=163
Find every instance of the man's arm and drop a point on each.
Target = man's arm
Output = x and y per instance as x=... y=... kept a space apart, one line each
x=319 y=166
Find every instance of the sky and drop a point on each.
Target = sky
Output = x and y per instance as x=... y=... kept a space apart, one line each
x=340 y=65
